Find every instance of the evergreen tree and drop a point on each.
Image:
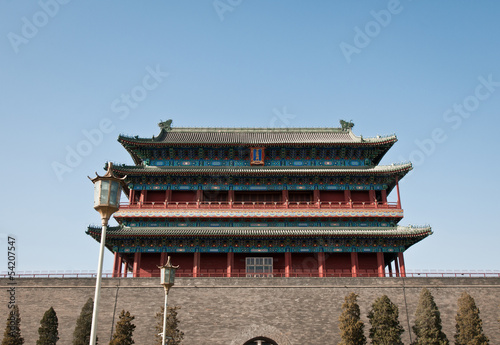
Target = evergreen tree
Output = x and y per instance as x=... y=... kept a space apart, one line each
x=350 y=324
x=124 y=330
x=428 y=326
x=385 y=327
x=81 y=335
x=48 y=333
x=172 y=326
x=469 y=325
x=12 y=334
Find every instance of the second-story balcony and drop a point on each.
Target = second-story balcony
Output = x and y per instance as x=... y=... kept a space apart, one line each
x=260 y=205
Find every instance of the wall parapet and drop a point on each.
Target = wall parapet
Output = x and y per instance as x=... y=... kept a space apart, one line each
x=223 y=310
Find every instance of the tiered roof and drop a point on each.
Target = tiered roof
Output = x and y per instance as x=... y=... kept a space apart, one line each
x=394 y=232
x=394 y=169
x=256 y=136
x=200 y=136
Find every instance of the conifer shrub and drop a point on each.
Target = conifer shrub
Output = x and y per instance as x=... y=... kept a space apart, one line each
x=469 y=326
x=48 y=333
x=172 y=326
x=384 y=320
x=350 y=324
x=12 y=334
x=81 y=335
x=124 y=330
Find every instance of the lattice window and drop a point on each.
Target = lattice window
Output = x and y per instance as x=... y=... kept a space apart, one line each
x=259 y=267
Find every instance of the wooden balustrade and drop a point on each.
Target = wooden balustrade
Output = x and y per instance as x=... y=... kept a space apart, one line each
x=258 y=205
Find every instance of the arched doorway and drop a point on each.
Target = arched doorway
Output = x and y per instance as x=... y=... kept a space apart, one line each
x=260 y=341
x=260 y=335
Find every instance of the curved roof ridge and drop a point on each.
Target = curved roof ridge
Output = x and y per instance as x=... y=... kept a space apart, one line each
x=269 y=231
x=260 y=169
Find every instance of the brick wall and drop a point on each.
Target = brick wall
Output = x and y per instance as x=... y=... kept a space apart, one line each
x=233 y=310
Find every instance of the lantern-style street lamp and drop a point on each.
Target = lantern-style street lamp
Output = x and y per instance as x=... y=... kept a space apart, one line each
x=167 y=280
x=107 y=191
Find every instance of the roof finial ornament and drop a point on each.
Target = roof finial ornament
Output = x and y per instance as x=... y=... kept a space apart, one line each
x=346 y=125
x=165 y=125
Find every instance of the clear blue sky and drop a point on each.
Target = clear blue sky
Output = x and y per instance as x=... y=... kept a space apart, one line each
x=428 y=71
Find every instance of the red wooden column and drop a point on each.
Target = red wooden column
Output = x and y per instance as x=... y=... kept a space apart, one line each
x=397 y=188
x=380 y=264
x=316 y=197
x=284 y=197
x=321 y=264
x=115 y=266
x=384 y=197
x=230 y=196
x=288 y=264
x=354 y=264
x=120 y=264
x=196 y=264
x=230 y=263
x=372 y=197
x=137 y=265
x=130 y=196
x=142 y=197
x=125 y=270
x=347 y=197
x=402 y=264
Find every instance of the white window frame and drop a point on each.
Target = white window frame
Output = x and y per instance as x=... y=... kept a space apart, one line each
x=259 y=266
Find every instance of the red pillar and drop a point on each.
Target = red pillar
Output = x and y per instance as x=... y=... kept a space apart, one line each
x=137 y=264
x=354 y=264
x=384 y=197
x=402 y=264
x=125 y=269
x=196 y=264
x=142 y=197
x=347 y=197
x=288 y=263
x=321 y=264
x=284 y=197
x=372 y=197
x=163 y=258
x=130 y=196
x=115 y=266
x=380 y=264
x=230 y=263
x=120 y=264
x=397 y=189
x=316 y=197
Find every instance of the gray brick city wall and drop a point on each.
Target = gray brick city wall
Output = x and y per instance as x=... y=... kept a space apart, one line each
x=231 y=311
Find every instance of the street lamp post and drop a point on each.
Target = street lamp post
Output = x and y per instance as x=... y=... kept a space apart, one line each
x=107 y=190
x=167 y=280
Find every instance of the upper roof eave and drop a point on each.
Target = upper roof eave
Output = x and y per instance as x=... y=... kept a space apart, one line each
x=256 y=136
x=397 y=231
x=164 y=170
